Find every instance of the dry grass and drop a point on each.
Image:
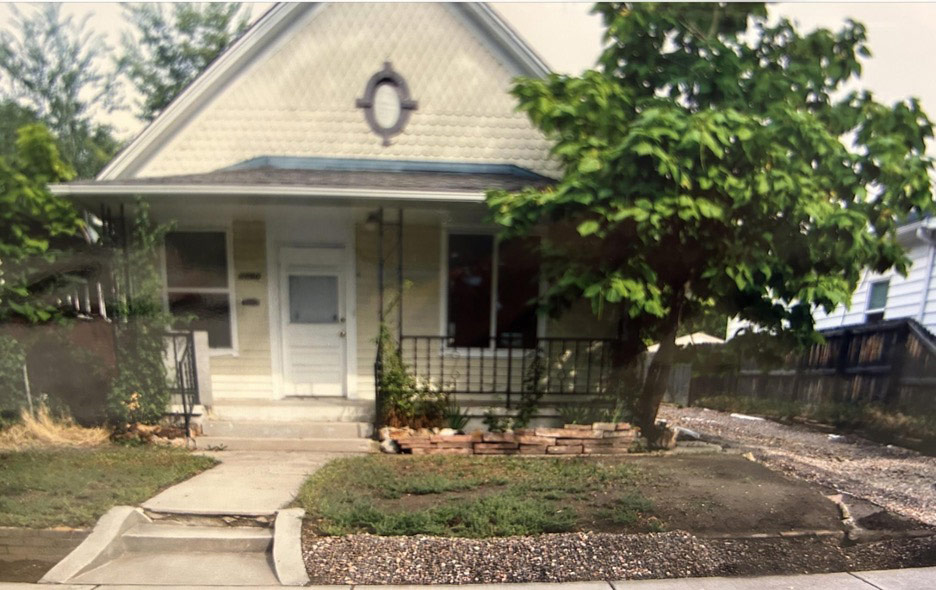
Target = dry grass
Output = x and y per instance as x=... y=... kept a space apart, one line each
x=47 y=431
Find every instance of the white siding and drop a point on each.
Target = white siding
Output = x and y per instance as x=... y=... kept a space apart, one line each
x=904 y=295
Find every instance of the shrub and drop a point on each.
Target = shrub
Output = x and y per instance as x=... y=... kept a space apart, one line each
x=405 y=400
x=12 y=386
x=139 y=393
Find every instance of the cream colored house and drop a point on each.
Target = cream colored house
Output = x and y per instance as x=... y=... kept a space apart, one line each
x=285 y=162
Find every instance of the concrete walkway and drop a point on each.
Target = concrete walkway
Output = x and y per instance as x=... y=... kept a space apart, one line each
x=906 y=579
x=246 y=483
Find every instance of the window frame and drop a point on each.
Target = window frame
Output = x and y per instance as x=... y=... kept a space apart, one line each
x=234 y=349
x=492 y=347
x=876 y=311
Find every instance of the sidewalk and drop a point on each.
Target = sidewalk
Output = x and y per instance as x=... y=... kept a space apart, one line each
x=246 y=483
x=906 y=579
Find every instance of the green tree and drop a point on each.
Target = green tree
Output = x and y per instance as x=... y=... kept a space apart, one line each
x=53 y=66
x=713 y=163
x=173 y=44
x=33 y=225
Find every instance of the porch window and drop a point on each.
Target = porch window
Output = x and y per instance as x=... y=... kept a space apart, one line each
x=492 y=287
x=197 y=283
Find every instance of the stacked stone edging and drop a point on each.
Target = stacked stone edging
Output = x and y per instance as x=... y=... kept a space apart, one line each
x=38 y=544
x=601 y=438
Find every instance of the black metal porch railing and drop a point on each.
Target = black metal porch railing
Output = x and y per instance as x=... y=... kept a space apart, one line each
x=182 y=378
x=505 y=369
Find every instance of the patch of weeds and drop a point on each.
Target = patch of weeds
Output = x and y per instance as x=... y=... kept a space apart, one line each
x=507 y=495
x=626 y=509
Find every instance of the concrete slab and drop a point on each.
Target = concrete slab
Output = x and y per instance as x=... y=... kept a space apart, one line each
x=245 y=483
x=184 y=569
x=906 y=579
x=841 y=581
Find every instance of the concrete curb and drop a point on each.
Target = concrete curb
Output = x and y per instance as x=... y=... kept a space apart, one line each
x=287 y=548
x=101 y=545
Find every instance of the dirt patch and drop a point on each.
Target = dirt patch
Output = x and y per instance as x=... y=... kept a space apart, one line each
x=24 y=570
x=721 y=494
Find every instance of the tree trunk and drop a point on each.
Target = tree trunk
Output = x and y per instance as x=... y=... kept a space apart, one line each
x=654 y=388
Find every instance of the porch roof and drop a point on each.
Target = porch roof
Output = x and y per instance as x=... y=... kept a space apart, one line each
x=270 y=177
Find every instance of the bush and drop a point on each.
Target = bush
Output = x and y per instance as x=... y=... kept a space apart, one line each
x=12 y=386
x=140 y=393
x=404 y=400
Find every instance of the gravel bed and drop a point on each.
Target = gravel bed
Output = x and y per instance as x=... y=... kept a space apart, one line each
x=575 y=557
x=572 y=557
x=897 y=479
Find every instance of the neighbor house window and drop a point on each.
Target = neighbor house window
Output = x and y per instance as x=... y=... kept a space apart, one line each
x=492 y=287
x=197 y=283
x=877 y=301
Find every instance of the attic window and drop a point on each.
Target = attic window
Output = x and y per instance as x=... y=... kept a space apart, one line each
x=387 y=104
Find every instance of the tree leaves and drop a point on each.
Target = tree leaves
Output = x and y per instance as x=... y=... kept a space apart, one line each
x=704 y=163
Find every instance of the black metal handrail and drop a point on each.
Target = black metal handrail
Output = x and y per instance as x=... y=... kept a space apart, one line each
x=508 y=367
x=182 y=378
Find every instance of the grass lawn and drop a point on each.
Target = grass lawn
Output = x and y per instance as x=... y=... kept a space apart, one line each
x=459 y=496
x=471 y=496
x=74 y=487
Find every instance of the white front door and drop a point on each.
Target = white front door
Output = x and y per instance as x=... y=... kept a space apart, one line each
x=312 y=297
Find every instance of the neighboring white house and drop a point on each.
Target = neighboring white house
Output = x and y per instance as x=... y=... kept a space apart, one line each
x=284 y=162
x=890 y=295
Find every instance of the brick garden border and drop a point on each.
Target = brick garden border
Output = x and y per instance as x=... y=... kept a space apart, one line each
x=601 y=438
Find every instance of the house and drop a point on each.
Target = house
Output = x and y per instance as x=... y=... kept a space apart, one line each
x=891 y=296
x=330 y=163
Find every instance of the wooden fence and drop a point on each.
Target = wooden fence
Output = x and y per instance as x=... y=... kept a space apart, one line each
x=892 y=363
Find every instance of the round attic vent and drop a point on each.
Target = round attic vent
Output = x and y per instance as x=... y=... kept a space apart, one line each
x=387 y=104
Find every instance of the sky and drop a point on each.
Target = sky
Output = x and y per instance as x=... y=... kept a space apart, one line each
x=568 y=37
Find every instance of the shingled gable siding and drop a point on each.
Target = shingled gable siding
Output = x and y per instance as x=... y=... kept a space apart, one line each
x=247 y=374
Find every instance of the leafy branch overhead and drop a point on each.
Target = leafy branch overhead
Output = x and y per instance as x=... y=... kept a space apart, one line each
x=173 y=44
x=703 y=167
x=711 y=162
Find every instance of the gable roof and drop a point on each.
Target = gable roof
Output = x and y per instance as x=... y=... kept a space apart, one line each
x=264 y=35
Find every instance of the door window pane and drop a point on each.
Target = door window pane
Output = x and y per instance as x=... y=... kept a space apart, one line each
x=196 y=259
x=212 y=313
x=878 y=296
x=469 y=289
x=517 y=290
x=313 y=299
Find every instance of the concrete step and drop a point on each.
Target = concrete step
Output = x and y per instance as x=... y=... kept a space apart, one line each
x=322 y=445
x=184 y=568
x=153 y=537
x=293 y=410
x=274 y=429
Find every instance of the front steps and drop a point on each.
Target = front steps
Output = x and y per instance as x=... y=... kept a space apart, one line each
x=161 y=553
x=327 y=425
x=131 y=547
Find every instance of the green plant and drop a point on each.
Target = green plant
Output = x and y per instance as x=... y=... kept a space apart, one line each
x=455 y=417
x=697 y=116
x=404 y=400
x=12 y=385
x=139 y=393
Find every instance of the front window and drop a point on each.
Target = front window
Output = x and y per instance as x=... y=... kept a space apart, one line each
x=877 y=301
x=197 y=283
x=492 y=288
